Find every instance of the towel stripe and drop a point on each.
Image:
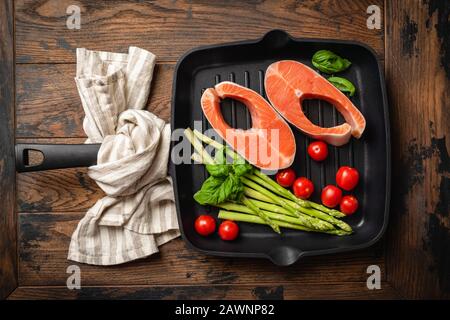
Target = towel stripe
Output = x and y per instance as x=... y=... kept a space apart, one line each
x=138 y=212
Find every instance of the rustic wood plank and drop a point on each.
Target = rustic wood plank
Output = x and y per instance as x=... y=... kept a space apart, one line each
x=352 y=290
x=340 y=291
x=44 y=241
x=418 y=79
x=8 y=230
x=64 y=190
x=169 y=28
x=216 y=292
x=48 y=104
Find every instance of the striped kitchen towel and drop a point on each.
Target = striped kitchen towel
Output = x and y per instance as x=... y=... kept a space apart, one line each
x=138 y=212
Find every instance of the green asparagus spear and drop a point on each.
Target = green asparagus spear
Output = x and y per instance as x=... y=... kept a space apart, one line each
x=301 y=219
x=265 y=180
x=278 y=214
x=229 y=215
x=206 y=158
x=261 y=214
x=275 y=216
x=315 y=222
x=313 y=215
x=322 y=215
x=332 y=212
x=274 y=198
x=252 y=193
x=207 y=139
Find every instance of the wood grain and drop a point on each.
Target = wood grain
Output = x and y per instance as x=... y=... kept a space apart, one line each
x=169 y=28
x=48 y=104
x=49 y=111
x=65 y=190
x=352 y=290
x=418 y=79
x=8 y=223
x=45 y=237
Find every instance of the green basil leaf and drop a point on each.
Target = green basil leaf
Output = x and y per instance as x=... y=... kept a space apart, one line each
x=224 y=183
x=241 y=169
x=329 y=62
x=231 y=189
x=216 y=190
x=208 y=192
x=225 y=190
x=220 y=168
x=240 y=166
x=343 y=84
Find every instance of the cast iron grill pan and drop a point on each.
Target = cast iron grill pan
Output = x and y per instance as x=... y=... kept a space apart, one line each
x=245 y=63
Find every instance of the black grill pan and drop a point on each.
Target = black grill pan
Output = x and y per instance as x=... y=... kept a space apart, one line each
x=245 y=63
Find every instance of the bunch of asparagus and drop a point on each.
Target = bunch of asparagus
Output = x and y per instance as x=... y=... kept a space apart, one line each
x=266 y=202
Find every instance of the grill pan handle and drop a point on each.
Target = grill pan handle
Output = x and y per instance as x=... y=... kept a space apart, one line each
x=276 y=38
x=56 y=156
x=285 y=256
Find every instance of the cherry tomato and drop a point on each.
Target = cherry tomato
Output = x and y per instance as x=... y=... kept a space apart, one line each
x=303 y=188
x=318 y=150
x=286 y=177
x=331 y=196
x=347 y=178
x=349 y=204
x=205 y=225
x=228 y=230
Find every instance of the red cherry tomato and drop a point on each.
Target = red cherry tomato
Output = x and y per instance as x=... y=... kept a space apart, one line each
x=347 y=178
x=205 y=225
x=349 y=204
x=331 y=196
x=228 y=230
x=286 y=177
x=303 y=188
x=318 y=150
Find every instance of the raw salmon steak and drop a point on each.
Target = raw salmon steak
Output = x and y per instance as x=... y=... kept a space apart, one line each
x=269 y=144
x=288 y=83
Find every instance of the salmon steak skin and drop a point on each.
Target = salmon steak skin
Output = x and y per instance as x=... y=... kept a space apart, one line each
x=288 y=83
x=269 y=144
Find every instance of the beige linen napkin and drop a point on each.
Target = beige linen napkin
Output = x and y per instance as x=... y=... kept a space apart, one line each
x=138 y=212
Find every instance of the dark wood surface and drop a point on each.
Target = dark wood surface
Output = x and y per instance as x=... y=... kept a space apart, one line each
x=44 y=240
x=418 y=80
x=8 y=229
x=169 y=28
x=413 y=256
x=346 y=290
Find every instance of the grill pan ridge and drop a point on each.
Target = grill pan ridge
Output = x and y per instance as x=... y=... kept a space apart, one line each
x=245 y=63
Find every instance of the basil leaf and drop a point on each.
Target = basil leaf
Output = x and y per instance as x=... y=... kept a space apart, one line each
x=240 y=166
x=329 y=62
x=231 y=189
x=241 y=169
x=208 y=192
x=220 y=168
x=216 y=190
x=224 y=183
x=343 y=84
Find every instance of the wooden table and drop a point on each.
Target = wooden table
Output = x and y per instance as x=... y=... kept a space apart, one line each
x=39 y=103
